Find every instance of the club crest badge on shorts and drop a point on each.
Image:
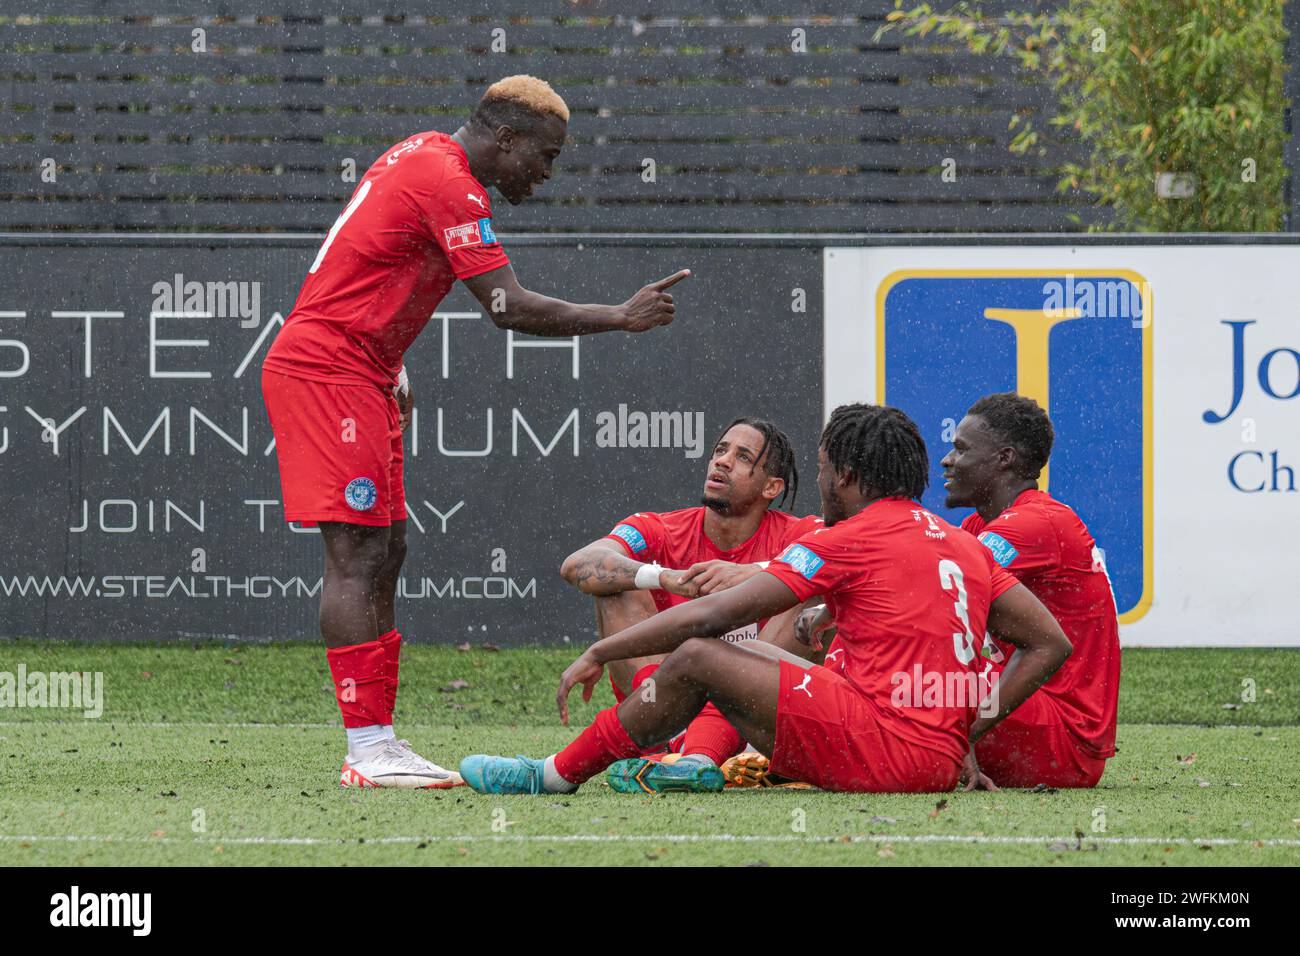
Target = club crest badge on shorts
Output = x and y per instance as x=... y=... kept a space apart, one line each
x=360 y=494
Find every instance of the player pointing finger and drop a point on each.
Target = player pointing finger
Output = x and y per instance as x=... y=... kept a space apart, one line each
x=652 y=306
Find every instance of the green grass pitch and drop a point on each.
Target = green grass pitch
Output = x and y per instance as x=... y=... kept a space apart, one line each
x=229 y=755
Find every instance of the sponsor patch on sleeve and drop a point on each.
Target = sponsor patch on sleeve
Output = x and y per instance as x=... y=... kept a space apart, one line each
x=466 y=234
x=802 y=560
x=485 y=230
x=632 y=536
x=1003 y=551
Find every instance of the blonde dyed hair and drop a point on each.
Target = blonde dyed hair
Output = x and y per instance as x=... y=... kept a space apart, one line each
x=528 y=92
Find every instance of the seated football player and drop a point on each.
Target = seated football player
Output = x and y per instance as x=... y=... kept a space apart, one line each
x=1063 y=734
x=654 y=561
x=909 y=592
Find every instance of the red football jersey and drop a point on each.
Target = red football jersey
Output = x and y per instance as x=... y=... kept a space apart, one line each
x=676 y=539
x=417 y=222
x=910 y=594
x=1045 y=545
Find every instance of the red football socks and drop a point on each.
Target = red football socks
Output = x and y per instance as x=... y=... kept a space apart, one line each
x=392 y=643
x=360 y=674
x=605 y=741
x=711 y=735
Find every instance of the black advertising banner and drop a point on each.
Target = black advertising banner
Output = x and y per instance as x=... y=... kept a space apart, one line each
x=139 y=494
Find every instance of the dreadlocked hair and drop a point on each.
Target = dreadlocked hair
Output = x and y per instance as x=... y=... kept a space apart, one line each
x=1020 y=422
x=777 y=455
x=880 y=446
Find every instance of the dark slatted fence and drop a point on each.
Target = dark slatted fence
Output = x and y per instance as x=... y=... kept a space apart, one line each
x=759 y=115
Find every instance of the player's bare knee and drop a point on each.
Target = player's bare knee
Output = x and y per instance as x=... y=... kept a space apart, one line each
x=691 y=656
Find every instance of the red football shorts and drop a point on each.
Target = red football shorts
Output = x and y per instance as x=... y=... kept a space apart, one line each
x=830 y=735
x=340 y=451
x=1032 y=745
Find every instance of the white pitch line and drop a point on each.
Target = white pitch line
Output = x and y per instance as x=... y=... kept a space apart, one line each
x=901 y=838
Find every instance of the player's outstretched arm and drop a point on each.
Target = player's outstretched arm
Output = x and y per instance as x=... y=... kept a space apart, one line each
x=513 y=307
x=761 y=596
x=1041 y=647
x=601 y=568
x=718 y=575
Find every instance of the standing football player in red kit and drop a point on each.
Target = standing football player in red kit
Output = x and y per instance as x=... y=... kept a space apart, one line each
x=1063 y=734
x=336 y=390
x=911 y=595
x=679 y=555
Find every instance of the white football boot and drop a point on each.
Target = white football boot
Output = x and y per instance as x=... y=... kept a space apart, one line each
x=457 y=780
x=393 y=763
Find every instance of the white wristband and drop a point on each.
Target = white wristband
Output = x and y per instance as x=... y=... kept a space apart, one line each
x=403 y=383
x=647 y=577
x=763 y=565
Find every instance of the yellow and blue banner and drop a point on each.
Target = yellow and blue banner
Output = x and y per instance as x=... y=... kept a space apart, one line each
x=1079 y=343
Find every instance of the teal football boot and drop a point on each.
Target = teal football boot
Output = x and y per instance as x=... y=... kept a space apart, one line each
x=503 y=774
x=639 y=775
